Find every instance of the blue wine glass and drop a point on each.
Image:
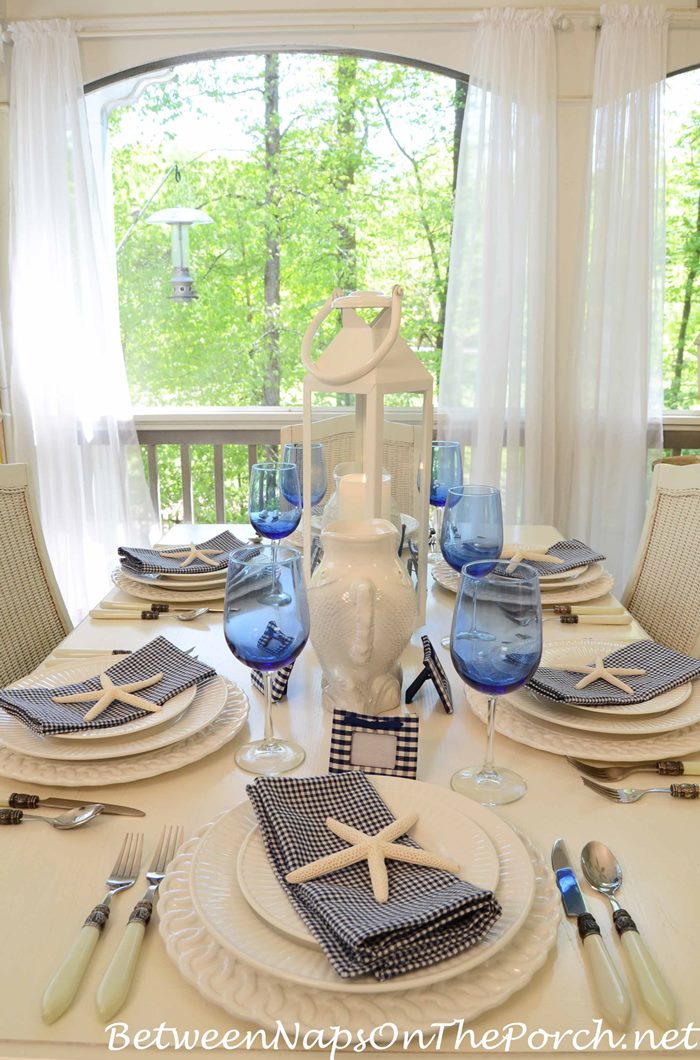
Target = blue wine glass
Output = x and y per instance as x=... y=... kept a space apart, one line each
x=502 y=658
x=266 y=625
x=274 y=506
x=445 y=472
x=472 y=526
x=293 y=453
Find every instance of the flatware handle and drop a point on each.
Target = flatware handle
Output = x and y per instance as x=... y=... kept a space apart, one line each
x=116 y=982
x=596 y=620
x=610 y=992
x=656 y=996
x=116 y=615
x=685 y=791
x=63 y=987
x=10 y=816
x=671 y=768
x=19 y=799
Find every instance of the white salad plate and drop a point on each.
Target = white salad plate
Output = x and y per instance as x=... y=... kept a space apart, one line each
x=617 y=725
x=222 y=907
x=73 y=673
x=551 y=583
x=56 y=773
x=586 y=651
x=243 y=992
x=568 y=593
x=163 y=593
x=186 y=582
x=205 y=707
x=436 y=830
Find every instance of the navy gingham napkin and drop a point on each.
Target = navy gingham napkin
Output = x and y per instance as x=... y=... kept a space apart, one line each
x=431 y=915
x=573 y=553
x=665 y=669
x=35 y=708
x=150 y=561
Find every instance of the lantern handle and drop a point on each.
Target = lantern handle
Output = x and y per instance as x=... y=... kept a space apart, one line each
x=341 y=378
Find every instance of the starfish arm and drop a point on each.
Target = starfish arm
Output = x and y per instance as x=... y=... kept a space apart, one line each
x=612 y=680
x=397 y=852
x=397 y=828
x=138 y=701
x=566 y=668
x=345 y=831
x=78 y=697
x=378 y=873
x=330 y=863
x=592 y=676
x=626 y=671
x=105 y=700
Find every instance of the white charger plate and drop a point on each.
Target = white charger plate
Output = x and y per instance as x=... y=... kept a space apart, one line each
x=622 y=725
x=594 y=746
x=162 y=593
x=448 y=578
x=55 y=773
x=439 y=828
x=76 y=672
x=186 y=583
x=221 y=906
x=576 y=651
x=264 y=999
x=206 y=706
x=552 y=583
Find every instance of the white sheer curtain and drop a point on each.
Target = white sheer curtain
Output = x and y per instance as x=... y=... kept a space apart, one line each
x=70 y=405
x=497 y=377
x=618 y=404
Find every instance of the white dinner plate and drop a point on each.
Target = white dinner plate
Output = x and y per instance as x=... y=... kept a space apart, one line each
x=56 y=773
x=586 y=651
x=164 y=594
x=227 y=916
x=436 y=830
x=268 y=1001
x=80 y=671
x=206 y=706
x=568 y=576
x=448 y=578
x=551 y=584
x=186 y=583
x=617 y=725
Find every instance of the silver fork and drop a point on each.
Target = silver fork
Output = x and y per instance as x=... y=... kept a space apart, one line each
x=666 y=767
x=116 y=982
x=677 y=791
x=63 y=987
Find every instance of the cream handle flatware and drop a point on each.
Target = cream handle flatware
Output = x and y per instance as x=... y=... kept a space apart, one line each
x=610 y=991
x=584 y=609
x=64 y=985
x=596 y=620
x=116 y=982
x=133 y=616
x=656 y=995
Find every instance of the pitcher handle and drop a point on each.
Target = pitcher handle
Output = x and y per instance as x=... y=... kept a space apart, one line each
x=341 y=378
x=363 y=595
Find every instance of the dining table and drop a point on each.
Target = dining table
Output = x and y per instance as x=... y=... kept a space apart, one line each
x=49 y=879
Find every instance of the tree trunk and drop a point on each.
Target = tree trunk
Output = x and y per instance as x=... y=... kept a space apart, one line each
x=690 y=278
x=271 y=337
x=459 y=102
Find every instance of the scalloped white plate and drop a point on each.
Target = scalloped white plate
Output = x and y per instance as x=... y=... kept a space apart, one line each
x=439 y=828
x=264 y=999
x=164 y=594
x=227 y=917
x=448 y=578
x=206 y=706
x=136 y=767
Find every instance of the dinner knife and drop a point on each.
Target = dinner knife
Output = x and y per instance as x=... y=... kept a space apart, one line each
x=612 y=998
x=21 y=801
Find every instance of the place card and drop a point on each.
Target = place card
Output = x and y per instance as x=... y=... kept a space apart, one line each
x=374 y=744
x=432 y=671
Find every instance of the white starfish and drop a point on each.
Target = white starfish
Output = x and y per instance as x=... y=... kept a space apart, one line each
x=192 y=553
x=374 y=849
x=111 y=692
x=599 y=671
x=518 y=554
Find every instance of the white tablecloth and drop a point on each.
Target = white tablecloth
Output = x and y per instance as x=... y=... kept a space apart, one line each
x=50 y=880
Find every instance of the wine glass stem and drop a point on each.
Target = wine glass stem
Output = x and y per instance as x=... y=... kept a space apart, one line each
x=489 y=765
x=274 y=567
x=439 y=512
x=269 y=735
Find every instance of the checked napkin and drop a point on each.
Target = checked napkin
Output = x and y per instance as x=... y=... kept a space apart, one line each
x=573 y=553
x=430 y=915
x=665 y=669
x=148 y=561
x=35 y=708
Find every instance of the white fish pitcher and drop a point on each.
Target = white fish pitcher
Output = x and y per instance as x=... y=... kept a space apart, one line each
x=363 y=612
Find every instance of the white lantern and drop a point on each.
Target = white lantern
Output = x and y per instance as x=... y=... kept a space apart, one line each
x=371 y=361
x=180 y=218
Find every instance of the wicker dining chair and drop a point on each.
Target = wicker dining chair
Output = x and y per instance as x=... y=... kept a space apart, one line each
x=402 y=444
x=33 y=617
x=663 y=592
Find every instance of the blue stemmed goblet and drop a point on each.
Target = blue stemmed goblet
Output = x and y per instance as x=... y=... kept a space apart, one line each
x=266 y=631
x=274 y=506
x=445 y=472
x=506 y=607
x=472 y=530
x=293 y=453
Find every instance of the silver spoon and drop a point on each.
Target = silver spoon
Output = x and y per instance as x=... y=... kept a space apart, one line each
x=188 y=616
x=603 y=872
x=70 y=819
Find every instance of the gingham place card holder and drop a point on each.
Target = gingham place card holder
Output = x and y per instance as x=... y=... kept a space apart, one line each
x=432 y=671
x=384 y=746
x=280 y=680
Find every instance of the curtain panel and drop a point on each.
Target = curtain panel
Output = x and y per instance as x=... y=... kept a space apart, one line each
x=497 y=381
x=616 y=412
x=71 y=413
